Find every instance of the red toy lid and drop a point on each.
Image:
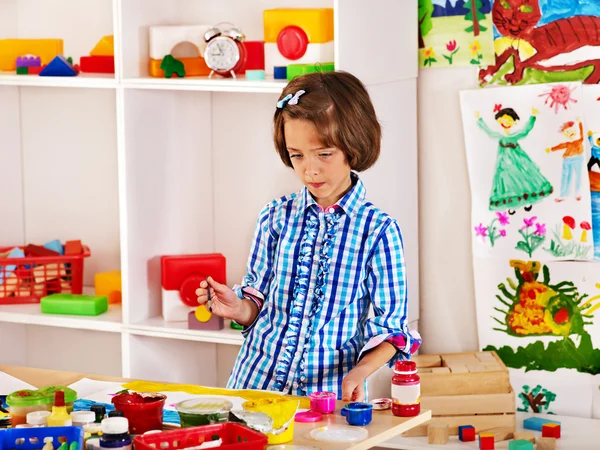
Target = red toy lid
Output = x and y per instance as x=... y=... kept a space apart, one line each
x=292 y=42
x=406 y=367
x=308 y=416
x=187 y=291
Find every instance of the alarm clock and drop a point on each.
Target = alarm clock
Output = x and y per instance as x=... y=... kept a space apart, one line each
x=225 y=53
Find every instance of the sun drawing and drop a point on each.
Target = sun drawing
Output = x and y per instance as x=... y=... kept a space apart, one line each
x=559 y=95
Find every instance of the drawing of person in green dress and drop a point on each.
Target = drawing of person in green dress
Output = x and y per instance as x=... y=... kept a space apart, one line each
x=518 y=181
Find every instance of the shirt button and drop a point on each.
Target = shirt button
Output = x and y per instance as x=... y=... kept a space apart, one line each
x=331 y=210
x=310 y=292
x=295 y=385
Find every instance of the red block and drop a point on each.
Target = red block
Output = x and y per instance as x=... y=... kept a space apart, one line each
x=73 y=248
x=551 y=430
x=467 y=434
x=38 y=250
x=486 y=442
x=98 y=64
x=34 y=70
x=256 y=55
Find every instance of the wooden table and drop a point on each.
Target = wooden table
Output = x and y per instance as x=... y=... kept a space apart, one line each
x=383 y=427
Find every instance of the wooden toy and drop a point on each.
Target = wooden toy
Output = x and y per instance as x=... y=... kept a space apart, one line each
x=73 y=247
x=520 y=444
x=56 y=246
x=535 y=423
x=551 y=430
x=38 y=250
x=486 y=441
x=437 y=433
x=170 y=66
x=181 y=276
x=163 y=39
x=317 y=23
x=545 y=443
x=256 y=55
x=315 y=53
x=48 y=272
x=466 y=433
x=97 y=64
x=524 y=436
x=109 y=284
x=500 y=433
x=484 y=400
x=104 y=47
x=59 y=67
x=11 y=49
x=294 y=70
x=213 y=323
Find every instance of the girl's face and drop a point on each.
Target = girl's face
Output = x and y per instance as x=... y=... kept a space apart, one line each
x=506 y=122
x=324 y=171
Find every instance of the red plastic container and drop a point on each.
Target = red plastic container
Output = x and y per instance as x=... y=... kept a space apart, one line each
x=144 y=411
x=235 y=436
x=26 y=280
x=406 y=389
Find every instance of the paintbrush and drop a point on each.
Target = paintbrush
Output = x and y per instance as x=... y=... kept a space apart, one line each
x=209 y=302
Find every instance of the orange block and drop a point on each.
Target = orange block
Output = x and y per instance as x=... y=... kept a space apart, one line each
x=109 y=284
x=194 y=67
x=317 y=23
x=104 y=47
x=10 y=49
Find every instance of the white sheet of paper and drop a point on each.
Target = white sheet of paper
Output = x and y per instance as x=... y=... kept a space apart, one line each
x=10 y=384
x=86 y=387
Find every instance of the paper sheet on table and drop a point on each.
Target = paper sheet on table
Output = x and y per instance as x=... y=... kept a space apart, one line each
x=10 y=384
x=86 y=387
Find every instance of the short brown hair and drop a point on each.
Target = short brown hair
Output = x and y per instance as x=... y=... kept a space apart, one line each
x=339 y=106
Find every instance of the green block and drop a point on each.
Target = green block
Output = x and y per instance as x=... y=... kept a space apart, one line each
x=255 y=75
x=22 y=70
x=74 y=304
x=293 y=70
x=520 y=444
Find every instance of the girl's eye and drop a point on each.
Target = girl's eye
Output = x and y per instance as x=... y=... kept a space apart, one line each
x=324 y=155
x=295 y=155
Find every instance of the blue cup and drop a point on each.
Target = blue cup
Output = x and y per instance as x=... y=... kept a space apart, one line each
x=358 y=413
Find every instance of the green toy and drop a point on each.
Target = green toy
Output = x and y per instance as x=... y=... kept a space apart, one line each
x=74 y=304
x=171 y=66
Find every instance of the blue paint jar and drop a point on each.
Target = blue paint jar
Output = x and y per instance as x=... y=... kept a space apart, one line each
x=115 y=434
x=358 y=413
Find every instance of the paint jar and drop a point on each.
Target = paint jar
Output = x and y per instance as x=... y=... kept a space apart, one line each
x=143 y=411
x=203 y=411
x=115 y=434
x=358 y=413
x=38 y=418
x=406 y=389
x=100 y=412
x=85 y=420
x=21 y=403
x=50 y=391
x=322 y=402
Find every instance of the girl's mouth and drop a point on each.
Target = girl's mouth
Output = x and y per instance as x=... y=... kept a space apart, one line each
x=316 y=185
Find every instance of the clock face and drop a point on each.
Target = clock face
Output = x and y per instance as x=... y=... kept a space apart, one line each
x=221 y=53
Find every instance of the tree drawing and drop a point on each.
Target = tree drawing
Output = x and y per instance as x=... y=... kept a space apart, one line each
x=536 y=400
x=425 y=24
x=474 y=15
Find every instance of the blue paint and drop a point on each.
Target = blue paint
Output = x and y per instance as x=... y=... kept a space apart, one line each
x=358 y=413
x=536 y=423
x=559 y=9
x=596 y=222
x=442 y=8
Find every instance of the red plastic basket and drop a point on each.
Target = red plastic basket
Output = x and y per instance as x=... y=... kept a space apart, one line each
x=26 y=280
x=235 y=436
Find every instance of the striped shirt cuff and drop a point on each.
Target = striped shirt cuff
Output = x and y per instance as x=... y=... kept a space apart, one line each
x=406 y=345
x=255 y=296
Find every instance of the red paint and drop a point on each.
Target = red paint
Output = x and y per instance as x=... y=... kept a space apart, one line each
x=406 y=389
x=144 y=412
x=561 y=316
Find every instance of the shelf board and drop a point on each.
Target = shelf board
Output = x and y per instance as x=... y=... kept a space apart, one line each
x=215 y=84
x=31 y=314
x=83 y=80
x=157 y=327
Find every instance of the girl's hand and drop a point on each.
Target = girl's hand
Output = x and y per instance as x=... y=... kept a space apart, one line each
x=534 y=111
x=225 y=302
x=353 y=386
x=477 y=115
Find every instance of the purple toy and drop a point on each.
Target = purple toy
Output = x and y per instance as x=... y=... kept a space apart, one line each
x=29 y=61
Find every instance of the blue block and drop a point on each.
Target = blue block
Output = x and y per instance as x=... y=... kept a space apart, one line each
x=280 y=72
x=460 y=430
x=15 y=253
x=535 y=423
x=520 y=444
x=56 y=246
x=58 y=67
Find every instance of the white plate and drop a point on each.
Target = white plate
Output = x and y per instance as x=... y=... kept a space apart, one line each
x=339 y=433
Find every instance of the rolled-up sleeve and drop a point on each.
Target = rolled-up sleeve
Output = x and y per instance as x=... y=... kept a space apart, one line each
x=259 y=270
x=389 y=296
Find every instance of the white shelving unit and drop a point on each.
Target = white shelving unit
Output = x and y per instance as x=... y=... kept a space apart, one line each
x=138 y=167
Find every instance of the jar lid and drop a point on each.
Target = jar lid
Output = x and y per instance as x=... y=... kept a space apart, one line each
x=405 y=367
x=204 y=405
x=115 y=425
x=26 y=397
x=381 y=404
x=38 y=417
x=317 y=395
x=308 y=416
x=83 y=416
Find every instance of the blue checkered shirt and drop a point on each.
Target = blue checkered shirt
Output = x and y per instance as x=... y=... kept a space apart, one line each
x=313 y=274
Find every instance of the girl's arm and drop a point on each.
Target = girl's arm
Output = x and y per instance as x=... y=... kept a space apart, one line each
x=387 y=338
x=486 y=129
x=526 y=129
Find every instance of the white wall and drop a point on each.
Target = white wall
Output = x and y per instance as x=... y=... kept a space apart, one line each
x=447 y=318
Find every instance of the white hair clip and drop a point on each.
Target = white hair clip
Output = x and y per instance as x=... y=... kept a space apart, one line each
x=294 y=99
x=290 y=99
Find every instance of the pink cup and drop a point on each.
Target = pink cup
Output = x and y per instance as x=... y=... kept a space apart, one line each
x=322 y=402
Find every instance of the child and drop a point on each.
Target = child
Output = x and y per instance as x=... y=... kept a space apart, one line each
x=322 y=256
x=573 y=159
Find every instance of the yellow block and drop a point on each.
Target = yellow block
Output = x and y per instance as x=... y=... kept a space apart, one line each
x=10 y=49
x=109 y=284
x=317 y=23
x=194 y=67
x=104 y=47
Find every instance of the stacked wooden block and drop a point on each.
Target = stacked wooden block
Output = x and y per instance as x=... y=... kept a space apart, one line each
x=466 y=389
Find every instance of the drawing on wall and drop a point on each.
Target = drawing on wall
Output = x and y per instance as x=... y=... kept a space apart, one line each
x=536 y=400
x=591 y=109
x=455 y=33
x=526 y=161
x=544 y=41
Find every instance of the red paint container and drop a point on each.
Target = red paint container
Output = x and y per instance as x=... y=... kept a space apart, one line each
x=406 y=389
x=143 y=411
